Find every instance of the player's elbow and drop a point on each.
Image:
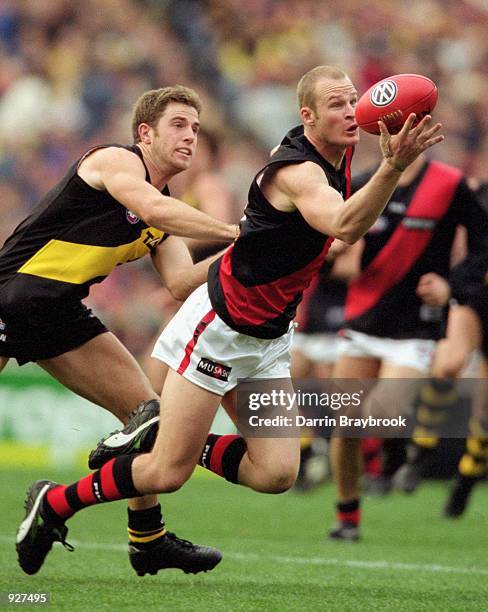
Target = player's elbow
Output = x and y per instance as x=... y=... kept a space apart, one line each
x=345 y=229
x=348 y=235
x=178 y=289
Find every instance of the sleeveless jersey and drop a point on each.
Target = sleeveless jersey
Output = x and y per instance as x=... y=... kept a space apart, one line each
x=74 y=238
x=256 y=286
x=412 y=237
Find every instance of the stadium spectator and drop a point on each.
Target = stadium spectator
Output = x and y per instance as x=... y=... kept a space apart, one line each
x=112 y=206
x=394 y=308
x=240 y=324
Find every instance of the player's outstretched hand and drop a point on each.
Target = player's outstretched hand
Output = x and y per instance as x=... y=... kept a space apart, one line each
x=403 y=148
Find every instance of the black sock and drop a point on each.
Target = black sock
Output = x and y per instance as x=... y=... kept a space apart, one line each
x=145 y=527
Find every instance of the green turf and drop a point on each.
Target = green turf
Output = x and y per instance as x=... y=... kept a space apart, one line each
x=275 y=554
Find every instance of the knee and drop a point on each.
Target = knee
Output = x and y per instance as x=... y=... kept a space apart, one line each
x=166 y=480
x=279 y=479
x=448 y=360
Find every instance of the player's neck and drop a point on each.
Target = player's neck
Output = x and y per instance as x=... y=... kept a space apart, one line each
x=159 y=174
x=334 y=154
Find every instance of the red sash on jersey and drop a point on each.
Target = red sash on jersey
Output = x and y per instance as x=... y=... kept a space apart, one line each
x=432 y=196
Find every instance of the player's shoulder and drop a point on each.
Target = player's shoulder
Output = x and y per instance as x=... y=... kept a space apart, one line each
x=112 y=155
x=300 y=172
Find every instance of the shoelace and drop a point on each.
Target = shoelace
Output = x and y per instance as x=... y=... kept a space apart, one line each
x=174 y=538
x=60 y=537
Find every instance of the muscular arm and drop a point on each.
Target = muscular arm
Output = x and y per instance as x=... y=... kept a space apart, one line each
x=175 y=266
x=324 y=208
x=122 y=174
x=304 y=186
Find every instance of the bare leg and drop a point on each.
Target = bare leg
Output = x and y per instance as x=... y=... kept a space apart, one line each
x=104 y=372
x=3 y=362
x=187 y=411
x=345 y=458
x=463 y=336
x=186 y=414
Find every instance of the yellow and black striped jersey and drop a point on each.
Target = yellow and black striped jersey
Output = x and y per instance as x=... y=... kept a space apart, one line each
x=74 y=238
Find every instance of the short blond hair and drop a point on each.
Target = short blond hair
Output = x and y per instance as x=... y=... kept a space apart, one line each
x=306 y=86
x=152 y=104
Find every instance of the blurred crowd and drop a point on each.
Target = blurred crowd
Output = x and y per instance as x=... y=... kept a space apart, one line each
x=70 y=73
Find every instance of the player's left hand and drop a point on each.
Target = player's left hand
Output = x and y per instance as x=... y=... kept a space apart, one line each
x=433 y=289
x=404 y=148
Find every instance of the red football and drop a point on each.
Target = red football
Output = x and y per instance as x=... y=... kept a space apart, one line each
x=393 y=99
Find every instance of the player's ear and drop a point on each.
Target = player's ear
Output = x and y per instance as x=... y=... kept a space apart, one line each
x=307 y=115
x=144 y=134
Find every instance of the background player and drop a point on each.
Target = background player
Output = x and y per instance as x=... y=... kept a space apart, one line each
x=108 y=210
x=467 y=331
x=394 y=308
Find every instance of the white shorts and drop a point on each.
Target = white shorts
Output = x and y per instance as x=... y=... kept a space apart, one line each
x=197 y=344
x=412 y=353
x=320 y=347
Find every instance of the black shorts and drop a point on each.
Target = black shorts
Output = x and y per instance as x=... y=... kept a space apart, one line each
x=30 y=333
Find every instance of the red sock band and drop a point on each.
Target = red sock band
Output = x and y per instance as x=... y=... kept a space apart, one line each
x=354 y=516
x=56 y=498
x=218 y=451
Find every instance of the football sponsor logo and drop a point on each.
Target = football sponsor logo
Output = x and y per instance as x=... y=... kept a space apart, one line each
x=417 y=223
x=131 y=218
x=384 y=93
x=213 y=369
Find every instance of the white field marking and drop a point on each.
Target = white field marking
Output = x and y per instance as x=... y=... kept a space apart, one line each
x=326 y=561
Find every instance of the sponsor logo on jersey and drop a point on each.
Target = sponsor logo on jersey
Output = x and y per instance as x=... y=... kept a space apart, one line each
x=397 y=207
x=384 y=93
x=417 y=223
x=380 y=225
x=131 y=218
x=213 y=369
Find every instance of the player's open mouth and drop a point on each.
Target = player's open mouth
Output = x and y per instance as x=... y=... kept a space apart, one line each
x=184 y=151
x=353 y=128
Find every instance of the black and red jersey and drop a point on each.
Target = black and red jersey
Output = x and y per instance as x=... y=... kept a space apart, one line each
x=412 y=237
x=256 y=286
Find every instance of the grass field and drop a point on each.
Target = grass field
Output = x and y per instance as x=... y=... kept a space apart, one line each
x=275 y=553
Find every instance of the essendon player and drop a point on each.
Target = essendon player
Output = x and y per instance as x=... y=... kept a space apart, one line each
x=395 y=307
x=241 y=324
